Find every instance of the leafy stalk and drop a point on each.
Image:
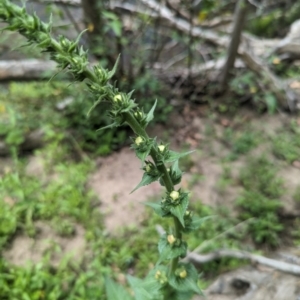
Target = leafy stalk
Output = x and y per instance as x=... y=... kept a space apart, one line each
x=177 y=277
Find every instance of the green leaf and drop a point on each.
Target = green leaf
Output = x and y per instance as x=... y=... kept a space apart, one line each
x=175 y=174
x=142 y=155
x=168 y=251
x=271 y=103
x=116 y=26
x=115 y=291
x=147 y=179
x=196 y=223
x=114 y=69
x=175 y=155
x=180 y=209
x=114 y=124
x=189 y=283
x=175 y=168
x=157 y=208
x=147 y=289
x=150 y=114
x=95 y=104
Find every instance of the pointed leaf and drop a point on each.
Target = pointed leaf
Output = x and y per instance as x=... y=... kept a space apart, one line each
x=189 y=283
x=114 y=69
x=197 y=222
x=175 y=155
x=114 y=124
x=150 y=114
x=147 y=289
x=180 y=209
x=157 y=208
x=175 y=168
x=168 y=251
x=115 y=291
x=142 y=155
x=147 y=179
x=95 y=104
x=130 y=94
x=80 y=35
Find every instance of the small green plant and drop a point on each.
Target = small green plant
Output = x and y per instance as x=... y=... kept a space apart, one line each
x=170 y=278
x=241 y=142
x=260 y=200
x=286 y=146
x=296 y=195
x=246 y=85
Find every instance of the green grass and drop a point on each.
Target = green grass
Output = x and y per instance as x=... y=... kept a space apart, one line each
x=286 y=146
x=260 y=200
x=241 y=141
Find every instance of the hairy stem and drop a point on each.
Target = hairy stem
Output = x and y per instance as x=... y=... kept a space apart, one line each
x=136 y=127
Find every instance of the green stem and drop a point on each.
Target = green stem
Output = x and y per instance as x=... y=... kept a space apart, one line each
x=139 y=130
x=87 y=72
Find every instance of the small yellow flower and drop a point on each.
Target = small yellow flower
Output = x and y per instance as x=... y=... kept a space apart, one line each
x=174 y=195
x=157 y=274
x=138 y=140
x=183 y=274
x=148 y=167
x=138 y=114
x=117 y=98
x=161 y=148
x=187 y=213
x=171 y=239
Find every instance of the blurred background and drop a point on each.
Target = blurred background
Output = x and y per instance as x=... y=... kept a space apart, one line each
x=226 y=78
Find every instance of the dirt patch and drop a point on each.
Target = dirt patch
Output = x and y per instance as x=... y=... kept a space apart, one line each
x=24 y=249
x=113 y=181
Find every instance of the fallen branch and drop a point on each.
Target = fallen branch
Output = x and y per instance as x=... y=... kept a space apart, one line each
x=286 y=97
x=163 y=12
x=65 y=2
x=26 y=69
x=272 y=263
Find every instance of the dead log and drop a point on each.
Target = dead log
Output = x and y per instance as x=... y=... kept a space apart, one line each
x=26 y=69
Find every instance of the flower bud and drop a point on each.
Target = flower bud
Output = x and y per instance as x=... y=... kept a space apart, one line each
x=157 y=275
x=183 y=274
x=161 y=277
x=148 y=168
x=138 y=114
x=171 y=239
x=161 y=148
x=138 y=140
x=117 y=98
x=174 y=195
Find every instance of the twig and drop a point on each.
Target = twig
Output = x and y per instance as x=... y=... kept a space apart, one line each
x=272 y=263
x=65 y=2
